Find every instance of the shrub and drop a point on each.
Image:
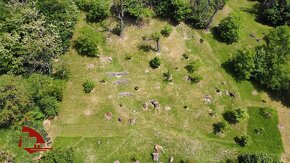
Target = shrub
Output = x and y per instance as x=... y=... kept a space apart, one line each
x=266 y=112
x=235 y=116
x=97 y=11
x=229 y=30
x=155 y=62
x=219 y=127
x=256 y=158
x=58 y=155
x=86 y=46
x=88 y=86
x=49 y=106
x=243 y=140
x=195 y=78
x=193 y=66
x=166 y=31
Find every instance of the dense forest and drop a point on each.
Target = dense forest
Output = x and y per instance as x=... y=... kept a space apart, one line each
x=36 y=34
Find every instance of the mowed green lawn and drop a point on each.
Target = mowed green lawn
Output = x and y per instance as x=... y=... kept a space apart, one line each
x=183 y=133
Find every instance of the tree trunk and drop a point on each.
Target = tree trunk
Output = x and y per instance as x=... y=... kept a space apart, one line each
x=121 y=27
x=211 y=18
x=158 y=46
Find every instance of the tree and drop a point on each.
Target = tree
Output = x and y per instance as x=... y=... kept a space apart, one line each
x=257 y=158
x=138 y=9
x=244 y=63
x=155 y=62
x=269 y=64
x=275 y=13
x=243 y=140
x=58 y=155
x=193 y=66
x=120 y=11
x=15 y=100
x=156 y=36
x=98 y=10
x=27 y=43
x=166 y=31
x=219 y=127
x=86 y=46
x=229 y=30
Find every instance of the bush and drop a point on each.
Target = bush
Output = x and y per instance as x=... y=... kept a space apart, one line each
x=229 y=30
x=49 y=106
x=243 y=140
x=235 y=116
x=219 y=127
x=98 y=11
x=266 y=112
x=88 y=86
x=195 y=78
x=58 y=155
x=166 y=31
x=193 y=66
x=86 y=46
x=155 y=62
x=256 y=158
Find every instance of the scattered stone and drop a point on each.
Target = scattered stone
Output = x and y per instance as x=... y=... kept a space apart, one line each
x=208 y=99
x=171 y=159
x=124 y=94
x=147 y=70
x=116 y=161
x=99 y=142
x=87 y=112
x=118 y=82
x=227 y=92
x=109 y=115
x=254 y=93
x=167 y=108
x=157 y=86
x=145 y=106
x=155 y=156
x=155 y=104
x=132 y=121
x=91 y=66
x=106 y=59
x=201 y=40
x=117 y=74
x=103 y=81
x=224 y=82
x=158 y=148
x=218 y=91
x=252 y=35
x=232 y=94
x=136 y=88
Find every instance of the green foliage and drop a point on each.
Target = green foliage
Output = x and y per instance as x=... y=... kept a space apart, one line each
x=219 y=127
x=49 y=106
x=257 y=158
x=163 y=8
x=243 y=140
x=266 y=112
x=62 y=14
x=155 y=62
x=235 y=116
x=59 y=155
x=193 y=66
x=86 y=46
x=88 y=86
x=97 y=10
x=15 y=100
x=6 y=157
x=269 y=64
x=156 y=36
x=138 y=9
x=166 y=31
x=22 y=48
x=229 y=30
x=195 y=78
x=275 y=12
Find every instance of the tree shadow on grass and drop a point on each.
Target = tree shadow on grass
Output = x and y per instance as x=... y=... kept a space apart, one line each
x=145 y=47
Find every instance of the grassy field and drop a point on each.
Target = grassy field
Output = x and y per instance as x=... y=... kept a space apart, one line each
x=184 y=133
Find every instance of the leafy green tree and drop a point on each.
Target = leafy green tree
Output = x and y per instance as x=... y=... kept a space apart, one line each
x=275 y=12
x=166 y=31
x=193 y=66
x=229 y=30
x=86 y=46
x=138 y=9
x=155 y=62
x=156 y=36
x=58 y=155
x=49 y=106
x=219 y=127
x=15 y=100
x=244 y=63
x=256 y=158
x=269 y=64
x=243 y=140
x=62 y=14
x=98 y=10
